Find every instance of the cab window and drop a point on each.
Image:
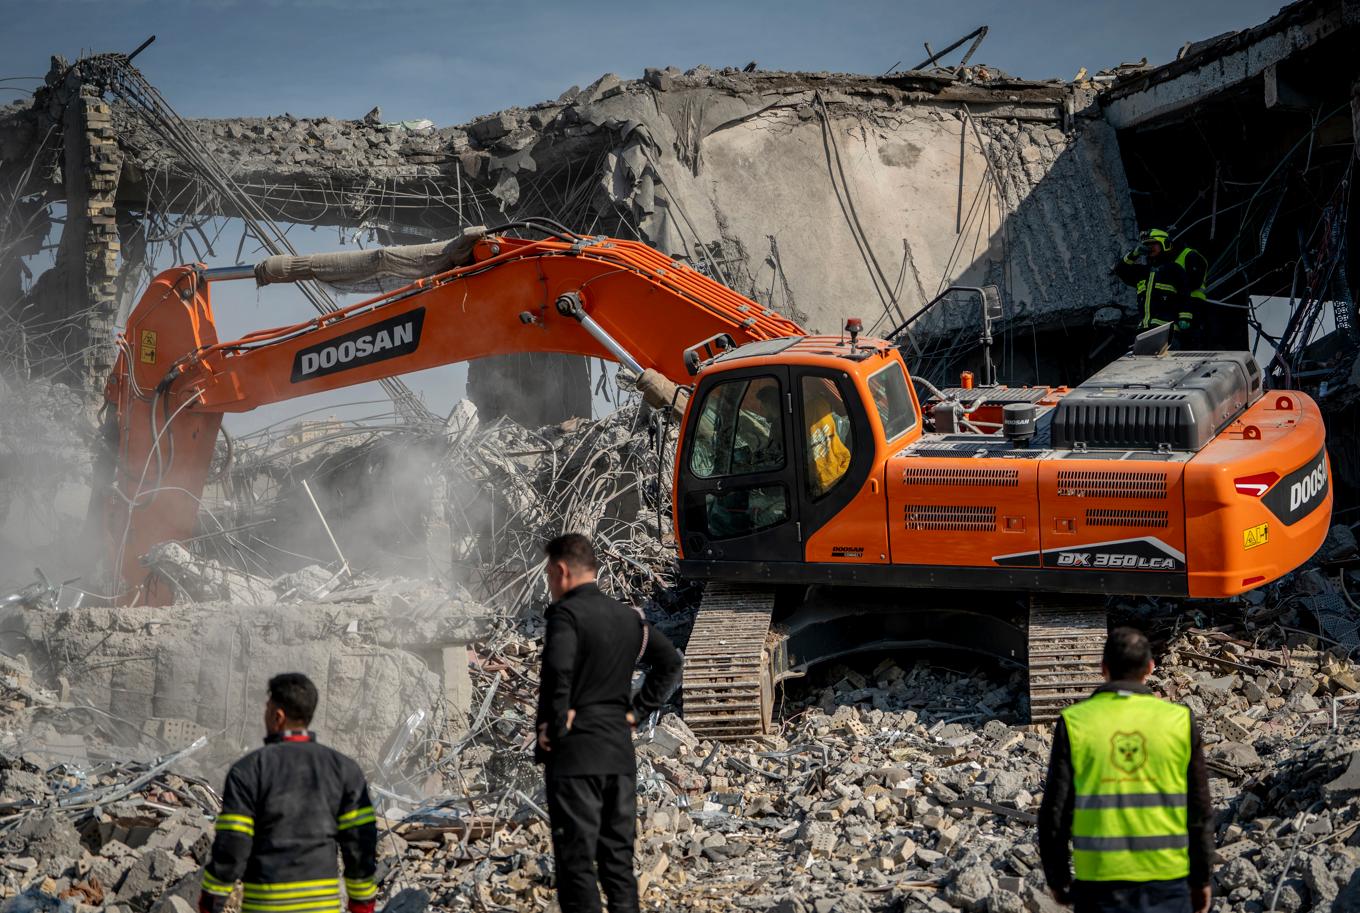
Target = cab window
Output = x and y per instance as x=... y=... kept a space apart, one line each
x=740 y=429
x=888 y=387
x=829 y=440
x=744 y=510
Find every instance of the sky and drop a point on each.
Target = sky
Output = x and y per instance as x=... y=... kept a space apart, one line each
x=451 y=61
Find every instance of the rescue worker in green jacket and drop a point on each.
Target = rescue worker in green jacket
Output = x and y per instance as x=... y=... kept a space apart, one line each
x=1166 y=291
x=1127 y=786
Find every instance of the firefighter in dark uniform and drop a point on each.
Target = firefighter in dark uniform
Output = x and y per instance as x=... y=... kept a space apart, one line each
x=585 y=723
x=1128 y=787
x=1163 y=286
x=286 y=810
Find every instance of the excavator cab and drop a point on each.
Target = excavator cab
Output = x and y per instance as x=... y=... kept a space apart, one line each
x=782 y=437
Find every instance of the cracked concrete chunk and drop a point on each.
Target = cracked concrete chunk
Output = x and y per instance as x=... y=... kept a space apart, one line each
x=1348 y=784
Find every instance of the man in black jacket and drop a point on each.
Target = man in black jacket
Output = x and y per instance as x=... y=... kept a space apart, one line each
x=585 y=727
x=1127 y=786
x=286 y=809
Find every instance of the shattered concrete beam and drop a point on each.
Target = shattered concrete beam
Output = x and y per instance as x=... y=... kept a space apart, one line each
x=1228 y=63
x=819 y=195
x=335 y=171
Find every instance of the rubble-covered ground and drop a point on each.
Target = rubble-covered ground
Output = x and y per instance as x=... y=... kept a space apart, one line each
x=893 y=783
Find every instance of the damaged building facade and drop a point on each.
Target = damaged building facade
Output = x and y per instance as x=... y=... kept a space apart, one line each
x=396 y=561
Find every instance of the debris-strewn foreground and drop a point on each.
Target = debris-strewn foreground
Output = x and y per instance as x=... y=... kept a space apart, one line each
x=892 y=784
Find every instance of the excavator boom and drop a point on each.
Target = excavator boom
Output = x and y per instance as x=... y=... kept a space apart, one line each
x=174 y=378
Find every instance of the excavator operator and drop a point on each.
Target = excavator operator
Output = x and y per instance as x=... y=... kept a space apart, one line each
x=1163 y=285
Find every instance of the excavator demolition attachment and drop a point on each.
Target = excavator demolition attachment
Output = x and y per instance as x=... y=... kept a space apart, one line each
x=829 y=508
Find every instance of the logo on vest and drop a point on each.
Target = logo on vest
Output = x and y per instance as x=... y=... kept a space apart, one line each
x=1129 y=750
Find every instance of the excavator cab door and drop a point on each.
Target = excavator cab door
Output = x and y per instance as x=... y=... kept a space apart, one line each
x=738 y=478
x=835 y=446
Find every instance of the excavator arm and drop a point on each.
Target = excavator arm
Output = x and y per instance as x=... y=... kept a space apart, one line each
x=174 y=379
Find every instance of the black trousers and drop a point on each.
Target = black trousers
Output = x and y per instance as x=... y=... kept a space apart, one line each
x=594 y=824
x=1131 y=896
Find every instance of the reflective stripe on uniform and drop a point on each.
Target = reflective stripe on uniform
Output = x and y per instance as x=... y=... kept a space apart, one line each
x=292 y=896
x=355 y=818
x=243 y=824
x=360 y=888
x=314 y=905
x=1133 y=800
x=1201 y=293
x=1131 y=844
x=215 y=886
x=281 y=887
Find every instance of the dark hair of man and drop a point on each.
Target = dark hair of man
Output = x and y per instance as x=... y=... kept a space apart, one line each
x=575 y=550
x=295 y=695
x=1127 y=654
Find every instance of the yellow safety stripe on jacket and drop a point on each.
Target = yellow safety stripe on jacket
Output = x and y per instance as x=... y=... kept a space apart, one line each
x=215 y=886
x=292 y=896
x=1145 y=290
x=243 y=824
x=1130 y=763
x=314 y=905
x=1201 y=293
x=355 y=818
x=361 y=888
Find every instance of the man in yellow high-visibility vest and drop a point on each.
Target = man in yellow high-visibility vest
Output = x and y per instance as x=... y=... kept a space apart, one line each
x=1128 y=788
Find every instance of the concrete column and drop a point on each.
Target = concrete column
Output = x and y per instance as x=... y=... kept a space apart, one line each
x=72 y=308
x=457 y=689
x=103 y=163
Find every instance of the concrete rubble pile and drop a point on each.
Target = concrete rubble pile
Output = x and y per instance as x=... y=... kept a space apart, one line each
x=84 y=688
x=917 y=787
x=115 y=837
x=510 y=489
x=470 y=506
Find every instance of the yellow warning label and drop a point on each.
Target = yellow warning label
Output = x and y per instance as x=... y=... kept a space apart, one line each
x=1257 y=535
x=149 y=346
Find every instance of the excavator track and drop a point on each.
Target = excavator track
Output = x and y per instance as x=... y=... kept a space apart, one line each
x=728 y=681
x=1066 y=639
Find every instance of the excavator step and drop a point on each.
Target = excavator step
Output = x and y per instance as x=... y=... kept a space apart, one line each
x=728 y=682
x=1066 y=640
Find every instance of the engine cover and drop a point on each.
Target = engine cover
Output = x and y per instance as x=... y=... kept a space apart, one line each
x=1176 y=401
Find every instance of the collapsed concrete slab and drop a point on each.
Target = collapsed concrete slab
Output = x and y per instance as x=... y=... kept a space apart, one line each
x=151 y=680
x=821 y=195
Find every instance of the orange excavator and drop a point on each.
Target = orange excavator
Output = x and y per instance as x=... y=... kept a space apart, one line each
x=830 y=505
